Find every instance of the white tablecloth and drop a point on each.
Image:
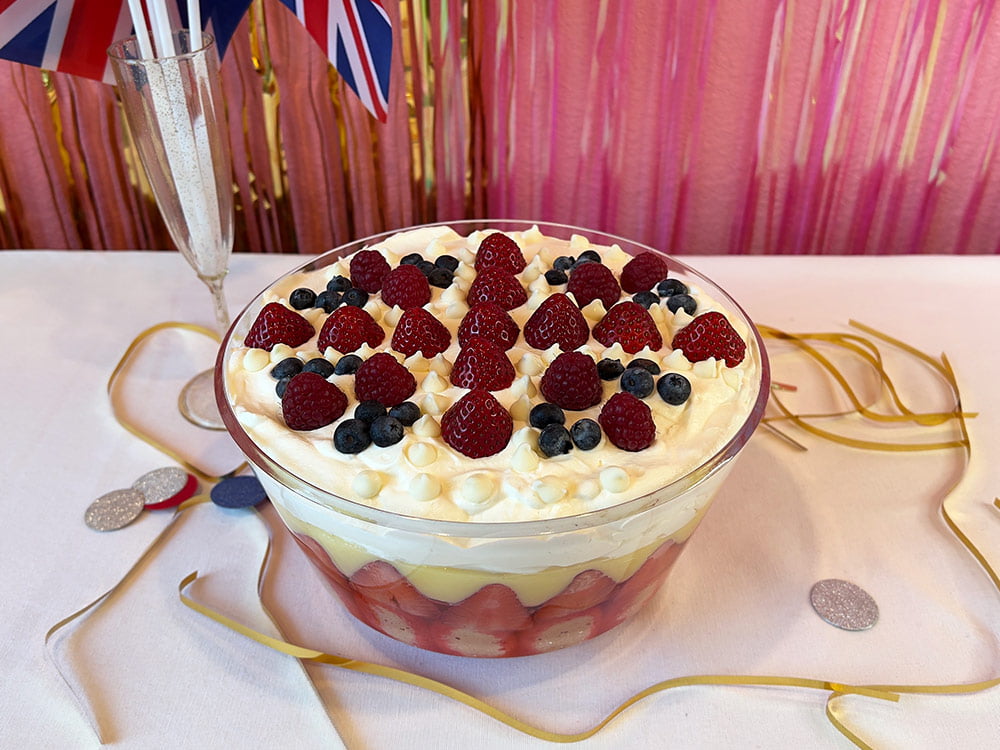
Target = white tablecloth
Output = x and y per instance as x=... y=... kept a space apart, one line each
x=157 y=674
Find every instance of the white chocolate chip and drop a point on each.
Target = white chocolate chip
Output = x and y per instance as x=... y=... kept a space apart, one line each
x=452 y=294
x=434 y=404
x=524 y=460
x=548 y=355
x=523 y=386
x=441 y=366
x=367 y=484
x=615 y=479
x=549 y=489
x=426 y=426
x=478 y=489
x=280 y=352
x=536 y=299
x=707 y=368
x=392 y=316
x=425 y=487
x=433 y=383
x=421 y=454
x=521 y=408
x=533 y=276
x=465 y=271
x=468 y=258
x=732 y=377
x=417 y=363
x=588 y=489
x=658 y=314
x=456 y=311
x=530 y=364
x=595 y=311
x=676 y=361
x=256 y=360
x=578 y=242
x=374 y=308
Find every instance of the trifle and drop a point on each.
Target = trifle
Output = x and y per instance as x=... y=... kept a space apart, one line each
x=492 y=438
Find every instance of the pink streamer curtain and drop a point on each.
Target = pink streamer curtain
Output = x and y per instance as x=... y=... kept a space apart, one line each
x=720 y=126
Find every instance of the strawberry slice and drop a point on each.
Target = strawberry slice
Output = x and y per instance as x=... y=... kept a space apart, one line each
x=482 y=364
x=497 y=250
x=710 y=335
x=629 y=324
x=419 y=331
x=495 y=608
x=552 y=635
x=489 y=320
x=398 y=625
x=633 y=594
x=477 y=425
x=380 y=582
x=557 y=321
x=463 y=641
x=277 y=324
x=319 y=557
x=496 y=285
x=592 y=281
x=586 y=590
x=347 y=328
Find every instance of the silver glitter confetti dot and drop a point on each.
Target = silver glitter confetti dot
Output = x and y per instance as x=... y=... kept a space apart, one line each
x=843 y=604
x=115 y=510
x=159 y=485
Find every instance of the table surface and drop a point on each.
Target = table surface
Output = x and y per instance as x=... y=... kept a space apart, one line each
x=155 y=673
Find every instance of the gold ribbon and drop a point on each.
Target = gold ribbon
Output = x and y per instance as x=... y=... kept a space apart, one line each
x=837 y=691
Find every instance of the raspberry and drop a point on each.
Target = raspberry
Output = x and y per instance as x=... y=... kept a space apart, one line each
x=643 y=272
x=629 y=324
x=627 y=422
x=572 y=382
x=557 y=321
x=710 y=335
x=406 y=287
x=276 y=324
x=311 y=401
x=381 y=378
x=348 y=328
x=591 y=281
x=482 y=364
x=477 y=425
x=497 y=250
x=488 y=319
x=499 y=286
x=419 y=331
x=368 y=270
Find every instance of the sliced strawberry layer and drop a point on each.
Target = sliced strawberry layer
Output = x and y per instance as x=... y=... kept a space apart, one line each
x=552 y=635
x=495 y=608
x=463 y=641
x=588 y=589
x=380 y=582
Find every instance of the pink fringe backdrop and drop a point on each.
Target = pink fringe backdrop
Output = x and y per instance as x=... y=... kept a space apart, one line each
x=720 y=126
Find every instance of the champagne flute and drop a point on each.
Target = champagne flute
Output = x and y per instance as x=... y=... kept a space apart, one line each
x=175 y=113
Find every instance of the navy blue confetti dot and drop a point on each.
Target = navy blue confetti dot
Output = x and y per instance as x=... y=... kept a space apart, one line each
x=238 y=492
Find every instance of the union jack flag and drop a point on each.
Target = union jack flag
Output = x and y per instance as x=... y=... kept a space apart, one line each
x=72 y=36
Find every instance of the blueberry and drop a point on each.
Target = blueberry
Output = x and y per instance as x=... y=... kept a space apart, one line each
x=670 y=287
x=369 y=411
x=407 y=413
x=544 y=414
x=564 y=262
x=287 y=368
x=646 y=364
x=356 y=297
x=386 y=431
x=347 y=365
x=581 y=260
x=339 y=284
x=447 y=262
x=646 y=299
x=674 y=388
x=589 y=255
x=280 y=387
x=319 y=365
x=328 y=300
x=637 y=381
x=302 y=298
x=555 y=277
x=440 y=277
x=682 y=302
x=555 y=440
x=411 y=260
x=351 y=436
x=586 y=434
x=610 y=369
x=425 y=266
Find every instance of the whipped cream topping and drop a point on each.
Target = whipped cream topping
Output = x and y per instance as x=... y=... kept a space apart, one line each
x=422 y=476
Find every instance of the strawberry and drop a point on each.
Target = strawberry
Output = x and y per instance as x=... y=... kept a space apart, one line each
x=311 y=401
x=495 y=608
x=482 y=364
x=368 y=270
x=592 y=281
x=347 y=328
x=633 y=594
x=488 y=319
x=627 y=422
x=497 y=250
x=557 y=321
x=586 y=590
x=499 y=286
x=644 y=272
x=477 y=425
x=378 y=581
x=629 y=324
x=419 y=331
x=552 y=635
x=572 y=382
x=276 y=324
x=396 y=624
x=381 y=378
x=710 y=335
x=465 y=641
x=406 y=287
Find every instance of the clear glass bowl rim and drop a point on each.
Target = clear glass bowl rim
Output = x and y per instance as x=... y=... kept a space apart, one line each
x=326 y=500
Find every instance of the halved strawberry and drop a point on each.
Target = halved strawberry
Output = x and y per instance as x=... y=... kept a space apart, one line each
x=396 y=624
x=629 y=324
x=500 y=251
x=321 y=559
x=381 y=378
x=561 y=632
x=586 y=590
x=557 y=321
x=465 y=641
x=378 y=581
x=482 y=364
x=277 y=324
x=632 y=595
x=419 y=331
x=347 y=328
x=496 y=285
x=489 y=320
x=592 y=281
x=495 y=608
x=710 y=335
x=477 y=425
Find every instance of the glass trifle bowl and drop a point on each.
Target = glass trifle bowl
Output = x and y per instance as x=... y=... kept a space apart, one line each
x=497 y=512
